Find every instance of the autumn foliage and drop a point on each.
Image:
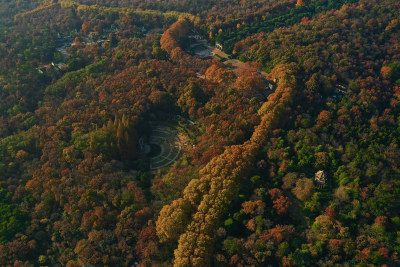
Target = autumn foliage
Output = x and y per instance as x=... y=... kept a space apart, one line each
x=84 y=85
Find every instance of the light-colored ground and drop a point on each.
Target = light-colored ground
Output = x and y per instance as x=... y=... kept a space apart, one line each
x=218 y=52
x=238 y=66
x=204 y=50
x=154 y=31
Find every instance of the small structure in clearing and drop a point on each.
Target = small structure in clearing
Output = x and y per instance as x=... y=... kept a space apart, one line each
x=219 y=46
x=321 y=178
x=270 y=85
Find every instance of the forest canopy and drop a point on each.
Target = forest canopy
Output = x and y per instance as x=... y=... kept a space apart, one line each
x=199 y=133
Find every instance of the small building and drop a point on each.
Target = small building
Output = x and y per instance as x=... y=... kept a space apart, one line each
x=219 y=46
x=270 y=85
x=321 y=178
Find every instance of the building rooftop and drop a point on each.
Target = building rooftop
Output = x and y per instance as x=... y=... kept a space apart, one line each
x=321 y=178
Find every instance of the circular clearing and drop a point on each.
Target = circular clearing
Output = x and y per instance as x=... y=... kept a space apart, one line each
x=155 y=150
x=165 y=147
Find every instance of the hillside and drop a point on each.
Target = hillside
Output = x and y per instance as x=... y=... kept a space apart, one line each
x=199 y=133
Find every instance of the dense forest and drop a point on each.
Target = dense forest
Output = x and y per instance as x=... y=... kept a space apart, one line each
x=122 y=145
